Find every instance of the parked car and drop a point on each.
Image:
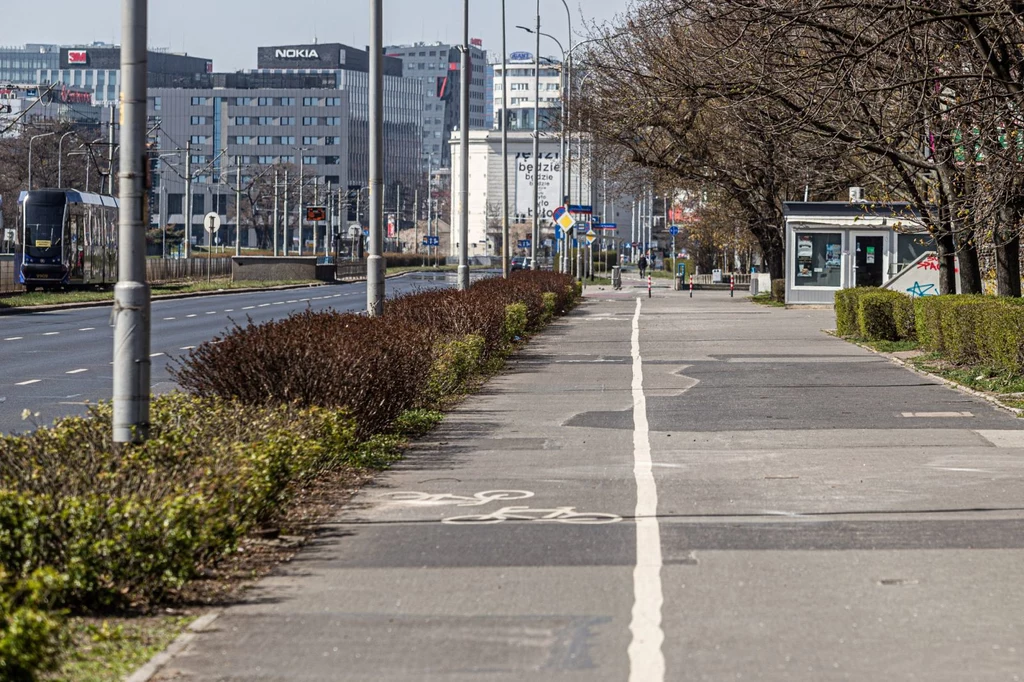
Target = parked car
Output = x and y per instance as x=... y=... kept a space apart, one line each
x=520 y=263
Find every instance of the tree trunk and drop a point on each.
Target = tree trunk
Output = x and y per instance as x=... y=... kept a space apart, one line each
x=970 y=268
x=1007 y=256
x=947 y=263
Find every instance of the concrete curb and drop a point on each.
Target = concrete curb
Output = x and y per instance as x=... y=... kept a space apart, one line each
x=162 y=297
x=1016 y=411
x=153 y=665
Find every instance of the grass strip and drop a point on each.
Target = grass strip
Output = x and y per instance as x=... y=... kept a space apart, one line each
x=39 y=298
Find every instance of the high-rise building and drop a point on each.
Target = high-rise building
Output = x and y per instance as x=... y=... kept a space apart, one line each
x=519 y=79
x=20 y=65
x=438 y=67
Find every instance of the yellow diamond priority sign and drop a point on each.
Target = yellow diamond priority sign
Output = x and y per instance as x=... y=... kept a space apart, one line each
x=566 y=221
x=591 y=236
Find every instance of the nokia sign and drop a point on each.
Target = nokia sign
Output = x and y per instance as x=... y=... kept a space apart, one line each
x=292 y=53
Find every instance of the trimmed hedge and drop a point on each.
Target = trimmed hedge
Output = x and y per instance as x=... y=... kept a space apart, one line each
x=847 y=302
x=973 y=330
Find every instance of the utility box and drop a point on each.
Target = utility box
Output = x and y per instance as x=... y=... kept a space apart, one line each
x=716 y=276
x=617 y=277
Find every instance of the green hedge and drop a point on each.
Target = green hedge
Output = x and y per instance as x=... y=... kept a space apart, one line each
x=847 y=302
x=973 y=330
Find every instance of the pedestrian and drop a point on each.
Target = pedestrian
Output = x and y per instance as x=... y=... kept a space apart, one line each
x=642 y=263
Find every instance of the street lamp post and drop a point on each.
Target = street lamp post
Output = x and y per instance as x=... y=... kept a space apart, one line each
x=60 y=158
x=375 y=261
x=505 y=260
x=30 y=141
x=464 y=79
x=534 y=265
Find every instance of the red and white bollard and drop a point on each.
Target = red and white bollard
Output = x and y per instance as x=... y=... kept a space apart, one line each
x=691 y=285
x=648 y=286
x=732 y=286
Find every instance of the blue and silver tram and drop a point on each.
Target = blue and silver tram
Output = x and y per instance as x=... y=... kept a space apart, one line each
x=65 y=238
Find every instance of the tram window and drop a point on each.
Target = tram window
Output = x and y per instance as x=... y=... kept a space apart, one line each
x=43 y=226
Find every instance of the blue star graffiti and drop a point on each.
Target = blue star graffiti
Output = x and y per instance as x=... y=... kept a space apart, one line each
x=921 y=289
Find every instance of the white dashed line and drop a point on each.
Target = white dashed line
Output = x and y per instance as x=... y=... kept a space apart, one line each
x=278 y=302
x=230 y=310
x=51 y=333
x=293 y=301
x=14 y=338
x=170 y=318
x=76 y=371
x=264 y=305
x=155 y=355
x=26 y=383
x=304 y=300
x=193 y=315
x=186 y=348
x=87 y=329
x=248 y=307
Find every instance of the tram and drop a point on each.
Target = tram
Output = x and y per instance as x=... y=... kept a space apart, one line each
x=66 y=238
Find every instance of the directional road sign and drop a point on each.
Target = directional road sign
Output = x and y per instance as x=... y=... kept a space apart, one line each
x=558 y=232
x=605 y=226
x=591 y=236
x=431 y=240
x=674 y=230
x=524 y=243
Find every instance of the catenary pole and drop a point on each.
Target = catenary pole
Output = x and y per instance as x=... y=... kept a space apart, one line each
x=535 y=236
x=188 y=199
x=284 y=216
x=464 y=80
x=375 y=260
x=505 y=247
x=238 y=206
x=131 y=311
x=276 y=224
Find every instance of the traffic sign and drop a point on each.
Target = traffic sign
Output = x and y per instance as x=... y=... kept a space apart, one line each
x=604 y=226
x=316 y=214
x=558 y=232
x=581 y=226
x=431 y=240
x=211 y=221
x=591 y=236
x=354 y=229
x=566 y=221
x=578 y=208
x=674 y=230
x=524 y=243
x=558 y=213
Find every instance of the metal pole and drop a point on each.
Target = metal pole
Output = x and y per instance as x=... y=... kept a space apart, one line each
x=506 y=262
x=238 y=206
x=329 y=227
x=464 y=79
x=375 y=261
x=276 y=224
x=60 y=159
x=397 y=244
x=30 y=141
x=131 y=294
x=285 y=216
x=188 y=198
x=430 y=202
x=302 y=178
x=534 y=264
x=110 y=150
x=163 y=219
x=416 y=221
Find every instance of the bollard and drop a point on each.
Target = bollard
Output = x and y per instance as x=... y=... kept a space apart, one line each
x=732 y=286
x=691 y=285
x=648 y=286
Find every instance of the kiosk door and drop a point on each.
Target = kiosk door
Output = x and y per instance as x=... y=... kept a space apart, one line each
x=868 y=269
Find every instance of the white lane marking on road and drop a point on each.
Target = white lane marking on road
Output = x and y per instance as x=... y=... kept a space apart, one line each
x=26 y=383
x=304 y=300
x=51 y=333
x=211 y=312
x=230 y=310
x=249 y=307
x=87 y=329
x=646 y=660
x=936 y=415
x=293 y=301
x=186 y=348
x=170 y=318
x=76 y=371
x=14 y=338
x=155 y=355
x=278 y=302
x=264 y=305
x=193 y=315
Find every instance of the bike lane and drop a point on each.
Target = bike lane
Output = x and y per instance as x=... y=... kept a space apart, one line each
x=502 y=548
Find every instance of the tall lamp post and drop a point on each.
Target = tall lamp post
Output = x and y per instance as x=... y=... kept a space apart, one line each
x=375 y=259
x=30 y=141
x=464 y=78
x=60 y=158
x=505 y=260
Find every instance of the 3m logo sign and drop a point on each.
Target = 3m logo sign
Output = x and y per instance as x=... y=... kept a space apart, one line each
x=78 y=57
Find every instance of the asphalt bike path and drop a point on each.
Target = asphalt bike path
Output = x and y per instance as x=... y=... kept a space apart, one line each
x=665 y=488
x=56 y=361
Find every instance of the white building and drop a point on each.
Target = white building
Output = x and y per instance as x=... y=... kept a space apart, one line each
x=518 y=77
x=485 y=195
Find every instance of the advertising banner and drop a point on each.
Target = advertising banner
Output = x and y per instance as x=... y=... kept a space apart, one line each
x=549 y=174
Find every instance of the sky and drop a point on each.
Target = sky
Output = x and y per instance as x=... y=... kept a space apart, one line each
x=229 y=31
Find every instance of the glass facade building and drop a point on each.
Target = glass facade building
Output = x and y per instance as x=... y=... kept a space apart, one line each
x=21 y=65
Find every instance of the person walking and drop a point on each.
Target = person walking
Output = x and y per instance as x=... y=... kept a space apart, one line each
x=642 y=264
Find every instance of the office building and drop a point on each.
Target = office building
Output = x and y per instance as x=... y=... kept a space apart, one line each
x=23 y=106
x=20 y=65
x=438 y=67
x=518 y=77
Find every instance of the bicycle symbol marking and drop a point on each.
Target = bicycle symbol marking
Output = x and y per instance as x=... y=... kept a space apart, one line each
x=557 y=514
x=440 y=499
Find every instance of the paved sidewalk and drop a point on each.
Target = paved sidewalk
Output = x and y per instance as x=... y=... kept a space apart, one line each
x=815 y=520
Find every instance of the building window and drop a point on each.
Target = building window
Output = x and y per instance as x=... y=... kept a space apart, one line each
x=310 y=140
x=287 y=121
x=332 y=160
x=243 y=101
x=332 y=140
x=198 y=120
x=310 y=101
x=243 y=139
x=198 y=101
x=265 y=101
x=818 y=259
x=333 y=101
x=241 y=120
x=309 y=120
x=333 y=121
x=287 y=139
x=198 y=139
x=265 y=160
x=158 y=103
x=287 y=101
x=309 y=160
x=287 y=159
x=265 y=139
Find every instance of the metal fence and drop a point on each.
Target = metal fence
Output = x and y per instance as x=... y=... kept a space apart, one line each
x=158 y=271
x=739 y=278
x=351 y=271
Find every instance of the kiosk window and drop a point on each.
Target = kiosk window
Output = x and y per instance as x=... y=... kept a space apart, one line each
x=818 y=259
x=910 y=246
